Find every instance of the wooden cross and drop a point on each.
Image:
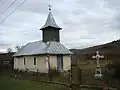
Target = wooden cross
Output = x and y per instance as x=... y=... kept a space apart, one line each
x=98 y=57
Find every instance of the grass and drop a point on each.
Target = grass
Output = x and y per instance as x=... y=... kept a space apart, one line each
x=25 y=81
x=6 y=83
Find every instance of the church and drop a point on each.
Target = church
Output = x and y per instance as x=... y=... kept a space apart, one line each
x=45 y=54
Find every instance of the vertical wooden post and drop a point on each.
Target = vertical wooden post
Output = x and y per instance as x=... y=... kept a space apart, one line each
x=105 y=86
x=49 y=69
x=70 y=81
x=80 y=76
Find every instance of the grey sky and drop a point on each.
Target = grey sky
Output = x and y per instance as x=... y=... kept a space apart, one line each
x=83 y=22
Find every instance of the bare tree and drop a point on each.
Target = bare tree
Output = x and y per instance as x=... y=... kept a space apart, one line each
x=9 y=50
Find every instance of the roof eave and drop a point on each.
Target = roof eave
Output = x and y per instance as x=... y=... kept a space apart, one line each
x=50 y=26
x=43 y=54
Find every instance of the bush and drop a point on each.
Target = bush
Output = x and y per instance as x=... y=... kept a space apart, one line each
x=15 y=70
x=116 y=69
x=26 y=70
x=110 y=66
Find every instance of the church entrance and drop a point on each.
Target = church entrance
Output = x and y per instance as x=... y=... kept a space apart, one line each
x=60 y=62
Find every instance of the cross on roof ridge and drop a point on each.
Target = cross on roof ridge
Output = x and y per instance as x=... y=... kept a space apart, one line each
x=50 y=22
x=49 y=7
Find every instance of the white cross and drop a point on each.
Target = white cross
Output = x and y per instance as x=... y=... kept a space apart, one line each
x=98 y=57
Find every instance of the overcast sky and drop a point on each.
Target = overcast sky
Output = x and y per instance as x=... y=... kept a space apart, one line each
x=84 y=22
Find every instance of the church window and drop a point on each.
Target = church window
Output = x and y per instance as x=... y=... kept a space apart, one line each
x=60 y=62
x=34 y=60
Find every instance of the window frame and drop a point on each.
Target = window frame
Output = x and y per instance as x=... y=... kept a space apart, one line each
x=34 y=61
x=24 y=60
x=60 y=62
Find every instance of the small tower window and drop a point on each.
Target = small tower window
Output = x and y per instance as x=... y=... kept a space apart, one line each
x=34 y=60
x=24 y=61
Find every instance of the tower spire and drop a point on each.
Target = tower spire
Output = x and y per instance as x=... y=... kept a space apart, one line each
x=50 y=22
x=50 y=29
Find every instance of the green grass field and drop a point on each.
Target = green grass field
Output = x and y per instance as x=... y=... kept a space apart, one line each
x=6 y=83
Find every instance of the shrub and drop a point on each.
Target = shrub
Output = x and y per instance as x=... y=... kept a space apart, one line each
x=15 y=70
x=116 y=69
x=26 y=70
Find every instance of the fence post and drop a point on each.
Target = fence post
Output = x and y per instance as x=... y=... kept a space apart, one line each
x=80 y=76
x=70 y=81
x=105 y=87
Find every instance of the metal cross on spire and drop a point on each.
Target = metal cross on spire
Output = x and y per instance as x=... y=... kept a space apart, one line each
x=98 y=57
x=49 y=5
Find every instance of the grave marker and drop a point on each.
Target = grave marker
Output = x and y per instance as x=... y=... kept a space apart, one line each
x=98 y=73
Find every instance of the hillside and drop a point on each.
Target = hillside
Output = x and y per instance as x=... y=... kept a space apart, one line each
x=109 y=50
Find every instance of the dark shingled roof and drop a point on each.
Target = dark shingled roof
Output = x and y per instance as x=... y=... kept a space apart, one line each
x=50 y=22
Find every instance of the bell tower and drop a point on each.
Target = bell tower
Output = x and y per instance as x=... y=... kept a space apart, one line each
x=50 y=30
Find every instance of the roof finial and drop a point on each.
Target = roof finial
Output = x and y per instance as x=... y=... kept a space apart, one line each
x=49 y=6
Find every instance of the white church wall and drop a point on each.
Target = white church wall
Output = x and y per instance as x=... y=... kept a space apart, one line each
x=40 y=63
x=15 y=63
x=29 y=63
x=53 y=61
x=66 y=62
x=18 y=63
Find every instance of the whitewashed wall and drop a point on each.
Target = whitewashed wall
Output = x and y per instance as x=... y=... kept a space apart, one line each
x=66 y=62
x=40 y=63
x=53 y=61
